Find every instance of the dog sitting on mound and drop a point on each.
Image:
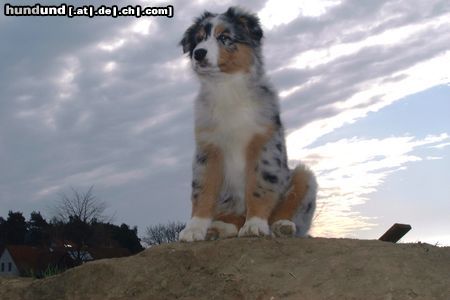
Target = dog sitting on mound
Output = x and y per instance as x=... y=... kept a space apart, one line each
x=242 y=185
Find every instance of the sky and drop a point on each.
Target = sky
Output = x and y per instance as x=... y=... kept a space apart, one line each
x=108 y=102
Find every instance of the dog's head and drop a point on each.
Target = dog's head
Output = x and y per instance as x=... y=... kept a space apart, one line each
x=223 y=43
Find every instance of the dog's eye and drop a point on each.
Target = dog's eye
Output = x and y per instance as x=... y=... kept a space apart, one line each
x=224 y=38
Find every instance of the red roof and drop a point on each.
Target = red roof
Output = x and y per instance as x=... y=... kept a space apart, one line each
x=37 y=259
x=28 y=258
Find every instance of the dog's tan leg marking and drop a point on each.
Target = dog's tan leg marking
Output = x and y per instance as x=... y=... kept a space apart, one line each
x=281 y=219
x=204 y=204
x=258 y=208
x=289 y=205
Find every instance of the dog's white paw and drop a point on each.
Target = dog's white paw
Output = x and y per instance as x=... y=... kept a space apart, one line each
x=255 y=227
x=195 y=230
x=283 y=228
x=221 y=230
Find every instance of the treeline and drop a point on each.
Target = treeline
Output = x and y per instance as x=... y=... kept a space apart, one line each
x=73 y=230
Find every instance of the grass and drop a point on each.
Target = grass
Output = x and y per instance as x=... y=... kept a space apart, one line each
x=48 y=272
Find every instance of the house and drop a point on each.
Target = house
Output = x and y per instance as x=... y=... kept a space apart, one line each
x=18 y=260
x=7 y=265
x=23 y=260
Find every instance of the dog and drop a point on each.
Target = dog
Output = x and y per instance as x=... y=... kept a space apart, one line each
x=242 y=185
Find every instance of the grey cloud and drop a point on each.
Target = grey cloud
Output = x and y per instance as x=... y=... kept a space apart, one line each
x=365 y=18
x=345 y=76
x=94 y=131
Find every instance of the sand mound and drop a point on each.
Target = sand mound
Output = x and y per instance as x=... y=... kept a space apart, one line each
x=254 y=269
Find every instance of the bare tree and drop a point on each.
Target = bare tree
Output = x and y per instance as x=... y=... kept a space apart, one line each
x=163 y=233
x=82 y=206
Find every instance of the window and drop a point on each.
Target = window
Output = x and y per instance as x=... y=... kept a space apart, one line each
x=3 y=267
x=9 y=267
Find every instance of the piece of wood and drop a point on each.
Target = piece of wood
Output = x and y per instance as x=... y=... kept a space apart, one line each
x=395 y=233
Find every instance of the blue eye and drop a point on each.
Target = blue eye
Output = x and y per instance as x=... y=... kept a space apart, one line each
x=224 y=38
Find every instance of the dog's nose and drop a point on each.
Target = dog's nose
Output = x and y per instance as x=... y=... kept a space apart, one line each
x=200 y=54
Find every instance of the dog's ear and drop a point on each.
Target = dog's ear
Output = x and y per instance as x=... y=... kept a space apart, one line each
x=248 y=21
x=188 y=41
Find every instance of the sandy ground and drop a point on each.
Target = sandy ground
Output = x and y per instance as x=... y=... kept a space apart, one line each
x=254 y=269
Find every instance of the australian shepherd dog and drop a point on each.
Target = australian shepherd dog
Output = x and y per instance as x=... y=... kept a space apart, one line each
x=242 y=185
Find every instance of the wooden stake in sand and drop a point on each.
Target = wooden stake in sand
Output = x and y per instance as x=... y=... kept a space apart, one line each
x=395 y=233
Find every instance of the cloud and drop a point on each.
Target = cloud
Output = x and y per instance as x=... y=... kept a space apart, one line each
x=108 y=102
x=434 y=158
x=275 y=13
x=349 y=170
x=392 y=37
x=374 y=94
x=440 y=146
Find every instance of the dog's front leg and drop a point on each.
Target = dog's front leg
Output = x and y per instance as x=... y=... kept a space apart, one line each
x=259 y=204
x=206 y=185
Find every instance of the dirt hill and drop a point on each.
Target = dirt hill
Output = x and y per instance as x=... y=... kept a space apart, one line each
x=254 y=269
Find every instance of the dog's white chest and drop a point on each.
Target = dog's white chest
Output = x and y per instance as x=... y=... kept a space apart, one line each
x=235 y=117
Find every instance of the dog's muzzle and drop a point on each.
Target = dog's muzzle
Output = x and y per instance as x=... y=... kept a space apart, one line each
x=200 y=54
